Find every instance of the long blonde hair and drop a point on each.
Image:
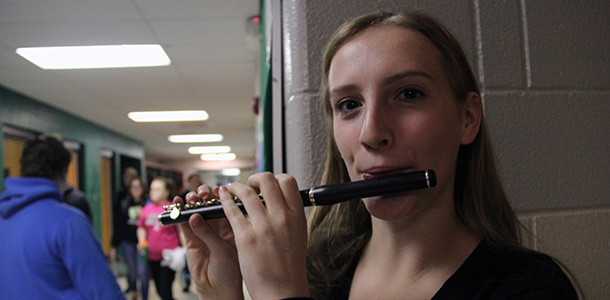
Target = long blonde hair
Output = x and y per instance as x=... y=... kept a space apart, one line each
x=339 y=233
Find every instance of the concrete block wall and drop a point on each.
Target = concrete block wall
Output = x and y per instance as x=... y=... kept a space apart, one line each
x=544 y=69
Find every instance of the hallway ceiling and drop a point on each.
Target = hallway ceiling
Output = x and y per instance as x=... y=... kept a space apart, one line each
x=214 y=67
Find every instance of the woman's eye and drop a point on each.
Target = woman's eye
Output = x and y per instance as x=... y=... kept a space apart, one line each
x=347 y=105
x=410 y=94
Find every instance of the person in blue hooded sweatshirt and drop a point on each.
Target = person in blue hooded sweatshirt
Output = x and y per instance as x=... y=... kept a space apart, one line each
x=49 y=250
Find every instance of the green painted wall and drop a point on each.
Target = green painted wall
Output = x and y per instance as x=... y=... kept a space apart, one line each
x=23 y=112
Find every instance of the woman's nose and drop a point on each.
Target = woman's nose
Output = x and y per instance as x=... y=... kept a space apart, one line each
x=376 y=131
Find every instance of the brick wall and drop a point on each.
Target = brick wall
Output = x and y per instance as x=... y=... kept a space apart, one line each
x=544 y=68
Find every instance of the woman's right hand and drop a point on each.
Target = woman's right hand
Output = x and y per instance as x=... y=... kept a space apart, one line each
x=211 y=253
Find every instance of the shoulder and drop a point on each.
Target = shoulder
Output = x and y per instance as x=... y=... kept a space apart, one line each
x=510 y=274
x=148 y=208
x=72 y=218
x=57 y=212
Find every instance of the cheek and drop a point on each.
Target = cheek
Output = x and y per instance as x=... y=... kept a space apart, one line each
x=439 y=144
x=344 y=140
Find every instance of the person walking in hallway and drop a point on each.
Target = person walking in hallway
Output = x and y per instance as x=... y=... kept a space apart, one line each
x=49 y=249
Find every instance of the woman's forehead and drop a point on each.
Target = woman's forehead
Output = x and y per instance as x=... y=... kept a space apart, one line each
x=388 y=48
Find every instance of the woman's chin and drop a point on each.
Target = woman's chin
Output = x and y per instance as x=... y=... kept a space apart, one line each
x=389 y=207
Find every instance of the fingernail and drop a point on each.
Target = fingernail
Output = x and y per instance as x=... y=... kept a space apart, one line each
x=223 y=189
x=201 y=189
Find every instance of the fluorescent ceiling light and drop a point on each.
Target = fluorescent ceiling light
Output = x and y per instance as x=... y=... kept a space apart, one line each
x=231 y=172
x=168 y=116
x=219 y=156
x=95 y=57
x=209 y=149
x=195 y=138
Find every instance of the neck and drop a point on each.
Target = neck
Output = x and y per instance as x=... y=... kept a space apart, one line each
x=435 y=238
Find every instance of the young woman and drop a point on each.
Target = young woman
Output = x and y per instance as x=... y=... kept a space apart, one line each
x=157 y=237
x=400 y=97
x=125 y=216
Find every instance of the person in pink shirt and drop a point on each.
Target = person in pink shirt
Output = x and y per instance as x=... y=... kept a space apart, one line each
x=153 y=237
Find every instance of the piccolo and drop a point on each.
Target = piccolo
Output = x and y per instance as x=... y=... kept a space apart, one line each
x=321 y=195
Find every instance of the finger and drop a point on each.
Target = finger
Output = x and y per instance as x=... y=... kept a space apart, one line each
x=205 y=192
x=249 y=197
x=232 y=212
x=189 y=236
x=191 y=239
x=290 y=191
x=200 y=230
x=191 y=197
x=177 y=200
x=215 y=191
x=223 y=227
x=270 y=189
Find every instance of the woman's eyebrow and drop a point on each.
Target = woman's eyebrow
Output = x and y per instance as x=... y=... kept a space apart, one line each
x=345 y=89
x=387 y=81
x=405 y=74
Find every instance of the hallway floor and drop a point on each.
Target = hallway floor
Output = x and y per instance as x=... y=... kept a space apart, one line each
x=179 y=294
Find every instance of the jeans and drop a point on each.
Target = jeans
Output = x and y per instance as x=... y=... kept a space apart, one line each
x=135 y=269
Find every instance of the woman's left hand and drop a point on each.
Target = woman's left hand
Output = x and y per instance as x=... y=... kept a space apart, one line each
x=272 y=242
x=211 y=253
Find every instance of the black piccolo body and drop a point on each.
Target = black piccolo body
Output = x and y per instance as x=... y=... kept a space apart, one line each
x=321 y=195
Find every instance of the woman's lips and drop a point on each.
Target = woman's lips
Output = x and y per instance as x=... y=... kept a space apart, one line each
x=381 y=172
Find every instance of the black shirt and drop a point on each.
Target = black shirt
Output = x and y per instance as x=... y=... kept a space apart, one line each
x=125 y=220
x=77 y=199
x=490 y=274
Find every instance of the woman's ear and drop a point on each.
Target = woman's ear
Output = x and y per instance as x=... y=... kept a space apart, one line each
x=472 y=116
